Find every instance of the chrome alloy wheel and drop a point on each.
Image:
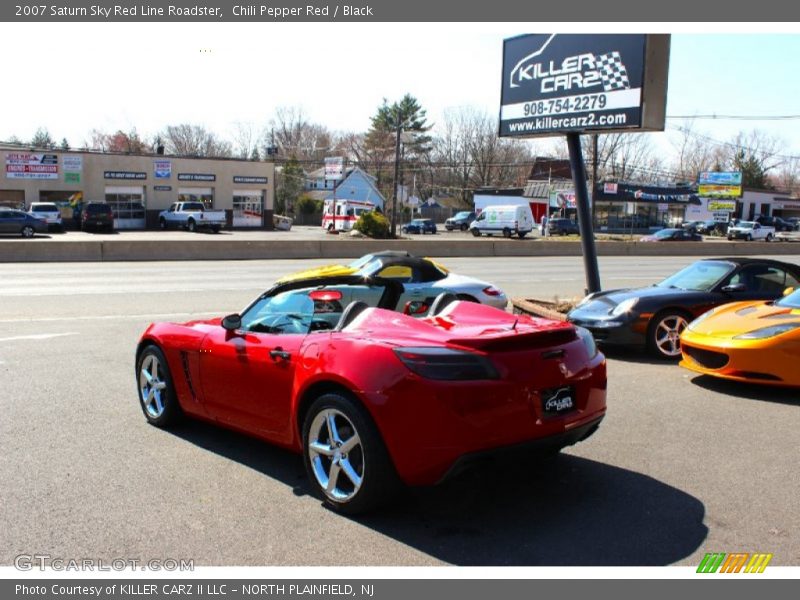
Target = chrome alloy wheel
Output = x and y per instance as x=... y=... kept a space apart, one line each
x=152 y=386
x=336 y=455
x=668 y=334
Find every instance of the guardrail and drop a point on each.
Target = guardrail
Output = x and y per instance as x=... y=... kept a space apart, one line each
x=148 y=250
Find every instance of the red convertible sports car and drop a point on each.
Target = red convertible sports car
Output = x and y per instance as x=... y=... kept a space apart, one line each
x=376 y=397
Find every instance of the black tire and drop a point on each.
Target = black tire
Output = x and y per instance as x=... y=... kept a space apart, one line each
x=464 y=227
x=191 y=225
x=769 y=237
x=369 y=459
x=330 y=226
x=506 y=232
x=170 y=412
x=162 y=223
x=655 y=332
x=28 y=232
x=522 y=234
x=215 y=228
x=749 y=238
x=476 y=232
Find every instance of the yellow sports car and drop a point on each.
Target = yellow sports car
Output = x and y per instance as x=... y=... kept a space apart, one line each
x=758 y=342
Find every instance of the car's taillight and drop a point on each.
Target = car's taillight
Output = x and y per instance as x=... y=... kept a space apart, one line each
x=491 y=291
x=447 y=364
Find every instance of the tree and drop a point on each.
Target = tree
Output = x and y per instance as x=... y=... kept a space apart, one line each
x=42 y=139
x=289 y=186
x=294 y=135
x=245 y=139
x=406 y=115
x=755 y=155
x=64 y=144
x=119 y=141
x=195 y=140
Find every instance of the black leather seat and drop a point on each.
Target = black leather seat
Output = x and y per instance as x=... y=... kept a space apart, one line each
x=350 y=312
x=440 y=302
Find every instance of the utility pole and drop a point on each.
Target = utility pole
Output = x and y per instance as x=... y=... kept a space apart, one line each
x=594 y=179
x=396 y=174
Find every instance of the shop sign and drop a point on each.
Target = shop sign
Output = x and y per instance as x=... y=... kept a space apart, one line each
x=719 y=191
x=124 y=175
x=562 y=200
x=23 y=165
x=196 y=177
x=721 y=205
x=162 y=188
x=559 y=83
x=72 y=177
x=609 y=188
x=248 y=179
x=334 y=168
x=720 y=177
x=162 y=169
x=73 y=167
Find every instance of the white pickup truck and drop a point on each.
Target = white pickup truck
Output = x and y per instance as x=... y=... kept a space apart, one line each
x=192 y=216
x=750 y=230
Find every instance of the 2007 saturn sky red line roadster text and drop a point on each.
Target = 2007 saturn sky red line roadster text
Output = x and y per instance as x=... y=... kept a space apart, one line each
x=374 y=397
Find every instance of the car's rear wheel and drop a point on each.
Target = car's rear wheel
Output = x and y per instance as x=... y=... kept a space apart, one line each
x=506 y=232
x=215 y=228
x=344 y=455
x=769 y=237
x=663 y=334
x=156 y=392
x=28 y=231
x=464 y=227
x=522 y=234
x=191 y=225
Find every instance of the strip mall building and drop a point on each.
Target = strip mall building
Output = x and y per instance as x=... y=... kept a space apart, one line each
x=137 y=187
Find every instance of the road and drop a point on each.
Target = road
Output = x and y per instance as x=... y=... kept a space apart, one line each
x=682 y=465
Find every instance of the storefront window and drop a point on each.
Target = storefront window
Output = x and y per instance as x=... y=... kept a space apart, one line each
x=204 y=195
x=248 y=206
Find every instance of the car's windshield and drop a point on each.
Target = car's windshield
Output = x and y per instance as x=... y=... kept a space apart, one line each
x=357 y=264
x=44 y=208
x=790 y=301
x=699 y=277
x=287 y=312
x=98 y=208
x=745 y=224
x=664 y=233
x=462 y=215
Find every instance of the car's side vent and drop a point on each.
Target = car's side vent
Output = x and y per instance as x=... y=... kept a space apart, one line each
x=187 y=373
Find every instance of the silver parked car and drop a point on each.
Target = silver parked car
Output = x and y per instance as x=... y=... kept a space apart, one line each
x=20 y=223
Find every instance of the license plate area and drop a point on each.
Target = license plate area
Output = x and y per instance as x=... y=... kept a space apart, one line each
x=558 y=401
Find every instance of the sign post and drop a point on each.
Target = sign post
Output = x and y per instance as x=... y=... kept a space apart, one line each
x=565 y=84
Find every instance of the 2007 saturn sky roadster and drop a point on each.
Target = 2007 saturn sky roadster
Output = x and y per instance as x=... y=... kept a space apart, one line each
x=372 y=397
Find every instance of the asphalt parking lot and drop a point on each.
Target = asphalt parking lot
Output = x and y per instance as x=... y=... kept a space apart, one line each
x=682 y=465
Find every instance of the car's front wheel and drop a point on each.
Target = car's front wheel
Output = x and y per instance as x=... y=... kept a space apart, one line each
x=28 y=231
x=663 y=334
x=156 y=392
x=476 y=232
x=345 y=458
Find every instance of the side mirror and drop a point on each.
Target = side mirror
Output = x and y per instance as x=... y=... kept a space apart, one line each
x=415 y=307
x=735 y=287
x=788 y=291
x=232 y=322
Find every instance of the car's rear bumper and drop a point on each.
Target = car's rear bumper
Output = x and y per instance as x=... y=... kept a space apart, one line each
x=533 y=448
x=432 y=428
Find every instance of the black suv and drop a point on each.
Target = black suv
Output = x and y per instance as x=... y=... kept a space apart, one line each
x=562 y=227
x=776 y=222
x=97 y=216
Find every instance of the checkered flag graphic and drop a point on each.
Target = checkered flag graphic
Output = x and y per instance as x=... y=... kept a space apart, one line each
x=612 y=72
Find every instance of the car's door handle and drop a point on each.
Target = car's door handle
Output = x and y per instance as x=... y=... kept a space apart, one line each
x=279 y=354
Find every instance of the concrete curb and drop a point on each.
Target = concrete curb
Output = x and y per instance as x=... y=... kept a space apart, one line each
x=145 y=250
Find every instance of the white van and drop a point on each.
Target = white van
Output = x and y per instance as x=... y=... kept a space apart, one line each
x=506 y=220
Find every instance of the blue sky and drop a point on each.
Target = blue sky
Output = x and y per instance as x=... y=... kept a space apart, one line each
x=118 y=76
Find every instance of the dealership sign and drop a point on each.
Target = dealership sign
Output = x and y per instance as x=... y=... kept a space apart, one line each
x=559 y=83
x=24 y=165
x=124 y=175
x=334 y=168
x=248 y=179
x=162 y=169
x=720 y=184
